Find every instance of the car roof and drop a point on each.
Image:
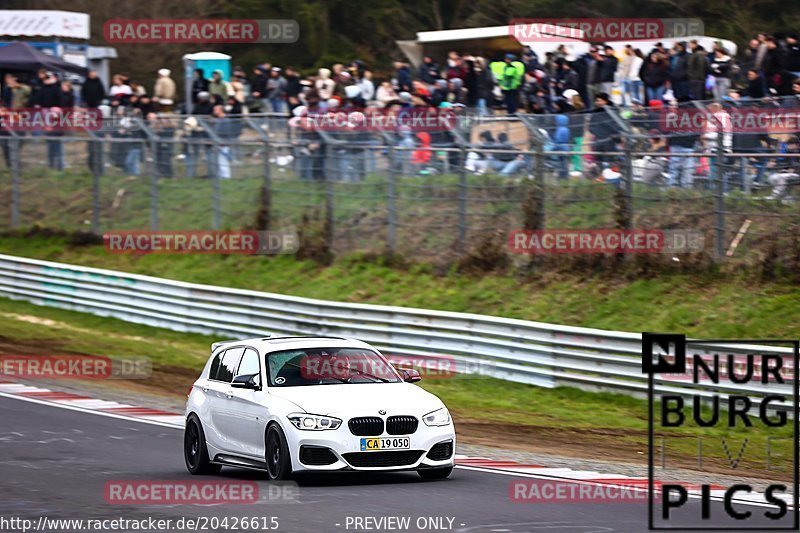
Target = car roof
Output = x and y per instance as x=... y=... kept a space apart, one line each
x=278 y=343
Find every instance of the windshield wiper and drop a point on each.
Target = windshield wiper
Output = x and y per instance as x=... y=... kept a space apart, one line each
x=362 y=373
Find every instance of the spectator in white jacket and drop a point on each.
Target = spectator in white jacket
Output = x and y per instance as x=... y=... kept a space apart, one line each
x=164 y=90
x=628 y=73
x=324 y=84
x=366 y=86
x=385 y=94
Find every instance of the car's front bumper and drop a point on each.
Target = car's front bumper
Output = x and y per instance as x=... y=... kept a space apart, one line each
x=343 y=445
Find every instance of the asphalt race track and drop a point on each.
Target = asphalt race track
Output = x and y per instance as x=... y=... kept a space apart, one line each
x=56 y=462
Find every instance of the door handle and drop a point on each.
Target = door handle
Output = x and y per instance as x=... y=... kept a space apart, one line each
x=229 y=395
x=205 y=389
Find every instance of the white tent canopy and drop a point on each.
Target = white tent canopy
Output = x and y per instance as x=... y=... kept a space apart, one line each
x=206 y=56
x=44 y=23
x=501 y=38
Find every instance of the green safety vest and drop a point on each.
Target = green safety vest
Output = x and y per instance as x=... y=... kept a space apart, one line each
x=508 y=75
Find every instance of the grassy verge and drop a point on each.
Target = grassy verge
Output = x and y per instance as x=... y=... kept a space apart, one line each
x=699 y=305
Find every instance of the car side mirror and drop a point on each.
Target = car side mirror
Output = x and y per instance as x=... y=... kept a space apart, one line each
x=411 y=376
x=246 y=381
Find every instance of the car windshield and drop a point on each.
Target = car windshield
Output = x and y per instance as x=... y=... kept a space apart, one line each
x=328 y=366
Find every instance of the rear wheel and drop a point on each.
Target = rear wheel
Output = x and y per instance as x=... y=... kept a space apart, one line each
x=435 y=473
x=195 y=452
x=279 y=463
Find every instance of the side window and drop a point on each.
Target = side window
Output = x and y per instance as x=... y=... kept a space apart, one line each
x=212 y=373
x=249 y=364
x=230 y=362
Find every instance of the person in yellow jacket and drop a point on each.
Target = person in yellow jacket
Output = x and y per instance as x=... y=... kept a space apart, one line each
x=509 y=74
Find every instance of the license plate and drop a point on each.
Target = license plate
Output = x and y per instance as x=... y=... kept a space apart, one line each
x=389 y=443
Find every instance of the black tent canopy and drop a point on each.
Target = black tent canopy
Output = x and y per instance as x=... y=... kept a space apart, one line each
x=22 y=57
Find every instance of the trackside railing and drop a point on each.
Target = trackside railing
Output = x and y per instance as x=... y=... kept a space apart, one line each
x=523 y=351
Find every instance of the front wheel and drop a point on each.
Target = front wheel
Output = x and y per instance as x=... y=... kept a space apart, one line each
x=195 y=452
x=435 y=473
x=279 y=463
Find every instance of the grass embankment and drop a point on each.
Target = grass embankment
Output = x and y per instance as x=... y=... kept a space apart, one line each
x=710 y=306
x=563 y=420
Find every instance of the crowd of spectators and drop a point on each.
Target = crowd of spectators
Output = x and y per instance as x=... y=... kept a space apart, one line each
x=629 y=78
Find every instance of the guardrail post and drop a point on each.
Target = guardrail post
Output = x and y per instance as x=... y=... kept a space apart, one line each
x=462 y=200
x=391 y=230
x=14 y=153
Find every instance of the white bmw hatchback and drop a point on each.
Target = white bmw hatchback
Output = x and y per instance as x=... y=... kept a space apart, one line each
x=294 y=404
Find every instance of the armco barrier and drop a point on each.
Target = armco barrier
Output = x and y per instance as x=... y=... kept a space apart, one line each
x=516 y=350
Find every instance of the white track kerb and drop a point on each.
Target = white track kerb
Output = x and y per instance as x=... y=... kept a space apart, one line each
x=146 y=415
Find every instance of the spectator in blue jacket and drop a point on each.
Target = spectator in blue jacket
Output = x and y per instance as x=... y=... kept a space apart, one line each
x=563 y=142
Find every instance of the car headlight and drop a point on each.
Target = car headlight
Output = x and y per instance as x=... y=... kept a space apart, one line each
x=440 y=417
x=313 y=422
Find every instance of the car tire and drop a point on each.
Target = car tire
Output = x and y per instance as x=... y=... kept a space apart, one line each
x=279 y=462
x=435 y=473
x=195 y=452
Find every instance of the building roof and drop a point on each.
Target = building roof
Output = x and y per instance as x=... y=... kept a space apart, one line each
x=44 y=23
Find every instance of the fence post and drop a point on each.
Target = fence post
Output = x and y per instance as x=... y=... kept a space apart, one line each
x=391 y=230
x=539 y=180
x=719 y=210
x=328 y=230
x=14 y=153
x=95 y=198
x=533 y=216
x=216 y=201
x=462 y=199
x=627 y=175
x=264 y=221
x=153 y=186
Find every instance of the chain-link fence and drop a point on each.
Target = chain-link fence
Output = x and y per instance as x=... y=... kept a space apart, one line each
x=420 y=193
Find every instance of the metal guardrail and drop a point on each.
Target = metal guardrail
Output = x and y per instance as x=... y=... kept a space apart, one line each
x=523 y=351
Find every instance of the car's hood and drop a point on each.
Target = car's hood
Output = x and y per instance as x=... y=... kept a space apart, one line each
x=361 y=398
